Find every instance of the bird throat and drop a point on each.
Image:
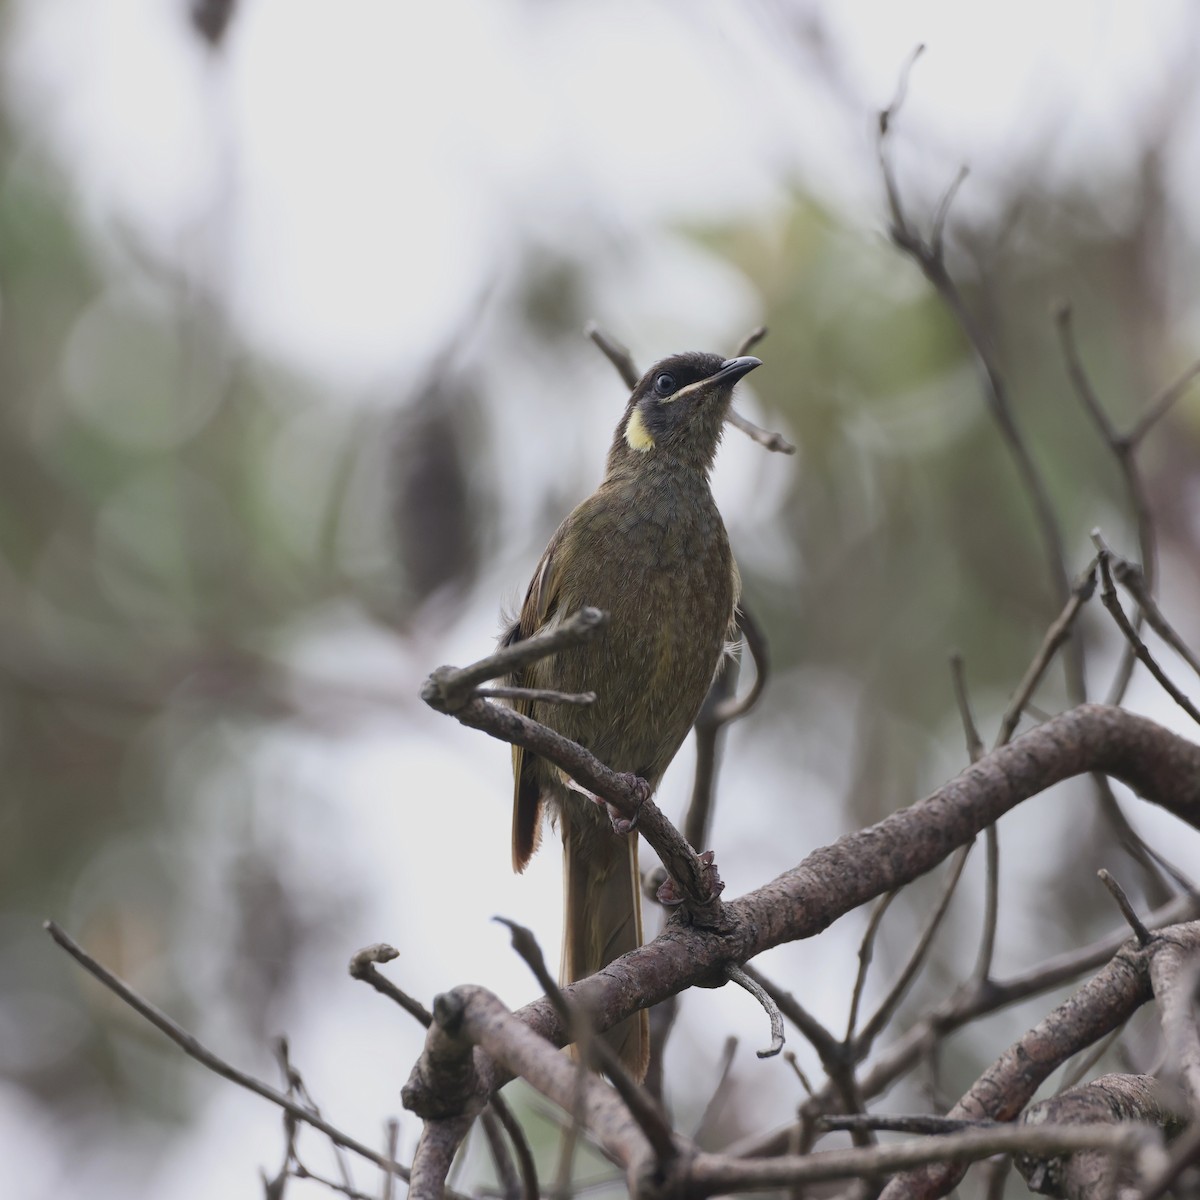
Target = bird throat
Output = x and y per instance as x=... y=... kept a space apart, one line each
x=636 y=434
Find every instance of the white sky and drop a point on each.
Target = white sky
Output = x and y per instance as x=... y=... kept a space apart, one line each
x=352 y=176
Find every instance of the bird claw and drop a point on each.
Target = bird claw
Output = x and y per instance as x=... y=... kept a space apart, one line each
x=621 y=824
x=671 y=894
x=641 y=790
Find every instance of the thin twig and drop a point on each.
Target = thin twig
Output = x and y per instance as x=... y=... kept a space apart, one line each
x=1125 y=458
x=738 y=976
x=616 y=354
x=391 y=1142
x=764 y=437
x=1132 y=579
x=975 y=749
x=297 y=1087
x=644 y=1109
x=835 y=1056
x=191 y=1046
x=526 y=1166
x=362 y=966
x=930 y=258
x=937 y=228
x=1161 y=404
x=883 y=1014
x=866 y=951
x=720 y=1173
x=1082 y=591
x=751 y=340
x=718 y=1095
x=543 y=695
x=1127 y=910
x=300 y=1171
x=991 y=906
x=449 y=689
x=506 y=1174
x=1108 y=597
x=897 y=1124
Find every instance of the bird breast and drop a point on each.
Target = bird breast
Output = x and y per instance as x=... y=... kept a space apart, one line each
x=659 y=563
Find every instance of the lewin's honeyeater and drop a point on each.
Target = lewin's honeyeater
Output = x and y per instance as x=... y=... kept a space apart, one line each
x=648 y=547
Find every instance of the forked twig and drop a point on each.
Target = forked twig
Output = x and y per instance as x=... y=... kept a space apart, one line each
x=192 y=1046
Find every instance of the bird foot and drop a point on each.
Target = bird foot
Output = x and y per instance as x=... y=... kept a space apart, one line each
x=621 y=823
x=671 y=894
x=641 y=792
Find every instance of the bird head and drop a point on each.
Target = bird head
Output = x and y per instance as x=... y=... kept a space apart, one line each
x=677 y=409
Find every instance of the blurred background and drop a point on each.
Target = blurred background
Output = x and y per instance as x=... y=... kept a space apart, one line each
x=294 y=388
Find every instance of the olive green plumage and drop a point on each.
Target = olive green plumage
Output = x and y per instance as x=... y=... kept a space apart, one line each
x=648 y=547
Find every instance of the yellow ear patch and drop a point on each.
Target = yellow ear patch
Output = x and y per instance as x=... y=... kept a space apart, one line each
x=636 y=433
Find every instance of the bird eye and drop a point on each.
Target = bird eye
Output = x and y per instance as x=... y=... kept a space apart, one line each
x=664 y=384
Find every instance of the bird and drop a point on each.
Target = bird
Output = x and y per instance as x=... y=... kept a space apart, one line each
x=649 y=548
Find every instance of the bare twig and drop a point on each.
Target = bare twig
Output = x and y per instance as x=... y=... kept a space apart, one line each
x=929 y=256
x=739 y=976
x=192 y=1046
x=1108 y=597
x=392 y=1141
x=1123 y=453
x=526 y=1167
x=975 y=749
x=1082 y=591
x=510 y=1184
x=1127 y=911
x=449 y=689
x=991 y=905
x=1131 y=578
x=718 y=1095
x=300 y=1171
x=866 y=952
x=1161 y=404
x=616 y=354
x=544 y=695
x=713 y=1174
x=937 y=228
x=645 y=1110
x=721 y=706
x=834 y=1054
x=362 y=966
x=751 y=340
x=898 y=1124
x=883 y=1014
x=764 y=437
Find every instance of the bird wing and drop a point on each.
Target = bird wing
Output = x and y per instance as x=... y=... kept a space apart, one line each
x=541 y=603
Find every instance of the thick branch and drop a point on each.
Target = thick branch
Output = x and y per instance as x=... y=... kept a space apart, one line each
x=1156 y=763
x=1108 y=1101
x=1103 y=1004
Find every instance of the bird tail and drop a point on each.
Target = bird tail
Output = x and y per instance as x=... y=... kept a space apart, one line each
x=602 y=913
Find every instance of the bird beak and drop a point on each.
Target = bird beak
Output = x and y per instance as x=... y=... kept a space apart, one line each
x=732 y=369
